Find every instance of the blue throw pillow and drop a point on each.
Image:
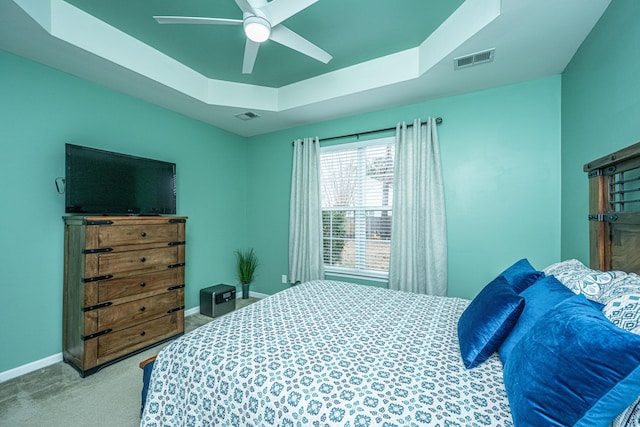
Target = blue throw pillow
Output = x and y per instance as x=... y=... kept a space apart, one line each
x=521 y=275
x=574 y=367
x=539 y=298
x=487 y=321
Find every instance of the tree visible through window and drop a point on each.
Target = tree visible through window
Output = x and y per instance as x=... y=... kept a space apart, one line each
x=357 y=195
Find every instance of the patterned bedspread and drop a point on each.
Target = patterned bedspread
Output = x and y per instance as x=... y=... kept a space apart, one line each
x=327 y=353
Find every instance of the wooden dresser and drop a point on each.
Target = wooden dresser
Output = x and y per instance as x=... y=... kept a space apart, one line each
x=123 y=286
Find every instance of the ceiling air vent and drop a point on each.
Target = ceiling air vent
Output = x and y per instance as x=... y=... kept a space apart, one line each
x=247 y=116
x=473 y=59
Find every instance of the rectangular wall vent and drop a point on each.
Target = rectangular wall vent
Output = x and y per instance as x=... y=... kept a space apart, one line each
x=248 y=115
x=474 y=59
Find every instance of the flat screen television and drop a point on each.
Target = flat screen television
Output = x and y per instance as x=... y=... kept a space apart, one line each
x=104 y=182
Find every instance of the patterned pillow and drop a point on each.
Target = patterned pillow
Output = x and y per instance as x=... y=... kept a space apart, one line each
x=622 y=303
x=563 y=267
x=583 y=280
x=629 y=285
x=630 y=417
x=624 y=312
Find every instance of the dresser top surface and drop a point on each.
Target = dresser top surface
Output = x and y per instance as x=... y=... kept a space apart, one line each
x=121 y=220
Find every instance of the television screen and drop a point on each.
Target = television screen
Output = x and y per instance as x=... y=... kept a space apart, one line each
x=103 y=182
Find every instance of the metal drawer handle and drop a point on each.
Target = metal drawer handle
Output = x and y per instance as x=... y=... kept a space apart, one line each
x=143 y=284
x=143 y=234
x=142 y=308
x=142 y=333
x=143 y=259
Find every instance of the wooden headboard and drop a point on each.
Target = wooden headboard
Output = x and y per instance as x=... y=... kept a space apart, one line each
x=614 y=210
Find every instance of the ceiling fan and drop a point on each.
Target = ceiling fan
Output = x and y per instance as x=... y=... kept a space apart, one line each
x=261 y=22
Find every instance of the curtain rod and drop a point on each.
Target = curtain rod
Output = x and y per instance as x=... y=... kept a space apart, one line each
x=331 y=138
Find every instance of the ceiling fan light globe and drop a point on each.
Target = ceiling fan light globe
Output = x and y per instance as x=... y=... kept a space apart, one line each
x=257 y=29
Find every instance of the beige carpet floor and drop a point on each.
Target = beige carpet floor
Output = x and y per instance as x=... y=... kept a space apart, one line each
x=56 y=396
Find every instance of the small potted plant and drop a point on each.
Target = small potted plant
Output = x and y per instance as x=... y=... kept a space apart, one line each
x=247 y=264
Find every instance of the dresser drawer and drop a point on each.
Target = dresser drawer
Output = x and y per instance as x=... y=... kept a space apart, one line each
x=121 y=235
x=109 y=290
x=123 y=279
x=116 y=344
x=144 y=259
x=122 y=316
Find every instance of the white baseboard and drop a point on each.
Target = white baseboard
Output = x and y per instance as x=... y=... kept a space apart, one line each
x=191 y=311
x=50 y=360
x=30 y=367
x=256 y=295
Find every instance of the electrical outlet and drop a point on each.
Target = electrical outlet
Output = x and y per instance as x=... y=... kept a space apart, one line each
x=284 y=278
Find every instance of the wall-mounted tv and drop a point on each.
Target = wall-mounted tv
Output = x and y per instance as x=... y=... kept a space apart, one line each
x=104 y=182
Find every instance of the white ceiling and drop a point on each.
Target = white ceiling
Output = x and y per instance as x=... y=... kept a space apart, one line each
x=532 y=39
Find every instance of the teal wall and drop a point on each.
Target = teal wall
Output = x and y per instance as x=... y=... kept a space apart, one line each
x=600 y=112
x=42 y=109
x=506 y=158
x=500 y=152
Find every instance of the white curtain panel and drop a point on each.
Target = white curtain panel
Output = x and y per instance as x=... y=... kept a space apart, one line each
x=305 y=215
x=418 y=261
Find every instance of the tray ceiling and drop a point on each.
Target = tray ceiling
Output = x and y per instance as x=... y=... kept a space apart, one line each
x=385 y=54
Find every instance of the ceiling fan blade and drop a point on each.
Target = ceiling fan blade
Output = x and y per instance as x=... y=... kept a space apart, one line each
x=196 y=20
x=286 y=37
x=245 y=6
x=250 y=54
x=279 y=10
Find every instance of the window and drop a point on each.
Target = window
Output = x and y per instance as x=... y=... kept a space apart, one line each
x=357 y=195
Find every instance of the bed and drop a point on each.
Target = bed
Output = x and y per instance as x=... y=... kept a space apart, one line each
x=327 y=353
x=556 y=346
x=334 y=353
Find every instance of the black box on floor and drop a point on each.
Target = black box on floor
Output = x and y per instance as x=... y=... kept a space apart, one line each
x=217 y=300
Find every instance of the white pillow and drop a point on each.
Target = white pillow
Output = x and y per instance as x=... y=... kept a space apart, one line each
x=622 y=303
x=562 y=267
x=624 y=312
x=583 y=280
x=630 y=417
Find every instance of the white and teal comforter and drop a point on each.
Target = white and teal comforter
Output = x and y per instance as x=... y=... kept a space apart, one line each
x=327 y=353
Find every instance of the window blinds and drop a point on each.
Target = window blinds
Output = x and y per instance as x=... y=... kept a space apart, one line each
x=357 y=195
